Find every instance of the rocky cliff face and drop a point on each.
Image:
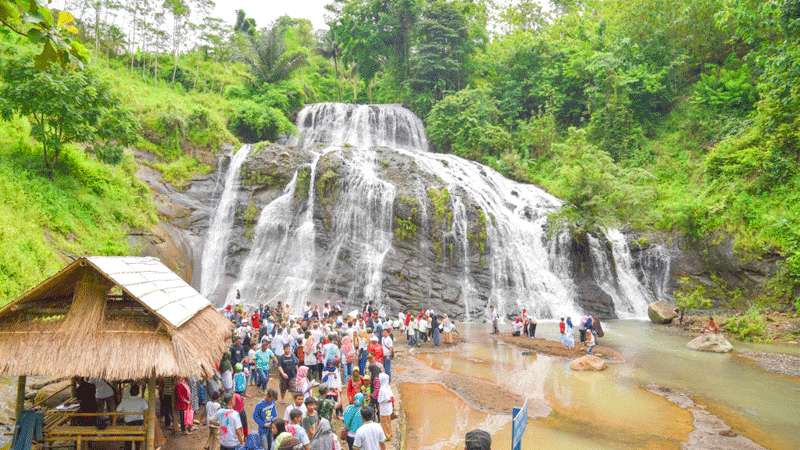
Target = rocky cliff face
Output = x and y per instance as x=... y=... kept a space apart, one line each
x=378 y=219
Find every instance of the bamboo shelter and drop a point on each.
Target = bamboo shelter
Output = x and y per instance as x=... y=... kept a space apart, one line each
x=114 y=318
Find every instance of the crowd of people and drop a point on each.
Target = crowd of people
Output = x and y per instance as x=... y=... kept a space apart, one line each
x=524 y=324
x=322 y=367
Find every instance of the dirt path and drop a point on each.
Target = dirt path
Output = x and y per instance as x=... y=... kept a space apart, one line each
x=197 y=439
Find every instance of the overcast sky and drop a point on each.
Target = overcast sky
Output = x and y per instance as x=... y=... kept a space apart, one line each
x=266 y=11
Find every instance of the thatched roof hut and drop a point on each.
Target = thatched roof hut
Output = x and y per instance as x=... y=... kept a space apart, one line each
x=114 y=318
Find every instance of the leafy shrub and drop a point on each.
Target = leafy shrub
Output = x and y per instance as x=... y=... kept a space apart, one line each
x=465 y=123
x=750 y=326
x=253 y=122
x=689 y=297
x=726 y=89
x=181 y=171
x=110 y=153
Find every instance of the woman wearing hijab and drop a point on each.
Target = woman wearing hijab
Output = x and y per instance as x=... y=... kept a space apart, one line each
x=354 y=385
x=569 y=337
x=352 y=419
x=386 y=405
x=301 y=383
x=324 y=438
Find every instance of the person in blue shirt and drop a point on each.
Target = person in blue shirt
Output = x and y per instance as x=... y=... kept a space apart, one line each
x=264 y=414
x=263 y=359
x=239 y=379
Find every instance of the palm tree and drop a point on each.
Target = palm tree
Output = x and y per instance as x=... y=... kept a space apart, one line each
x=329 y=48
x=270 y=61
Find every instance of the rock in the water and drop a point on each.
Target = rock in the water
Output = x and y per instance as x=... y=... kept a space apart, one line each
x=588 y=362
x=661 y=312
x=710 y=343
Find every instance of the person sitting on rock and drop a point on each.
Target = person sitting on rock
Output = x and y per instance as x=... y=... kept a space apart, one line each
x=711 y=326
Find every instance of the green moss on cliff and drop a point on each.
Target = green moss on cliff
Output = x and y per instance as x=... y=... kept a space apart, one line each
x=405 y=228
x=250 y=218
x=478 y=236
x=442 y=217
x=303 y=184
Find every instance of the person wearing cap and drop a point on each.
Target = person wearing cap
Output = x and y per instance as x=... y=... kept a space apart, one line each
x=477 y=439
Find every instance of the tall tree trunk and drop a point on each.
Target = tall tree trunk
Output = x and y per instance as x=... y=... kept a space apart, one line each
x=175 y=46
x=98 y=5
x=336 y=71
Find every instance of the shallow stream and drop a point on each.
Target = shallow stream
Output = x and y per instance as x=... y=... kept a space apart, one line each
x=609 y=409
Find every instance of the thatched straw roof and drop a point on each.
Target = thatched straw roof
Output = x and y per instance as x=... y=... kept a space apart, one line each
x=115 y=318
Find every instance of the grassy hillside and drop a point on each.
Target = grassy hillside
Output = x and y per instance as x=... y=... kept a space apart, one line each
x=88 y=211
x=89 y=207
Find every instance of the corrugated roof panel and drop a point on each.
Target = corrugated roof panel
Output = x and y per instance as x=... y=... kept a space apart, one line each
x=153 y=284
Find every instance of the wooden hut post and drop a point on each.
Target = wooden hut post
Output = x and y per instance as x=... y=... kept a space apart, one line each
x=20 y=396
x=151 y=421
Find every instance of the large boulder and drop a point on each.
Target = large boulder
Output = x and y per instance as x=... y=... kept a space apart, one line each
x=711 y=342
x=661 y=312
x=588 y=362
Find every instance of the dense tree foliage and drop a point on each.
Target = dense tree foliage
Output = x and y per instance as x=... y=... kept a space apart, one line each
x=665 y=115
x=63 y=106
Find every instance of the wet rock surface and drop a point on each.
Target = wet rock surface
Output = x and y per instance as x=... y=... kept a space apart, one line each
x=711 y=342
x=661 y=312
x=588 y=363
x=710 y=431
x=555 y=348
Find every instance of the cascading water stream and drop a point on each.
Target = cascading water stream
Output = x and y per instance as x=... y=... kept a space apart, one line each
x=213 y=261
x=519 y=264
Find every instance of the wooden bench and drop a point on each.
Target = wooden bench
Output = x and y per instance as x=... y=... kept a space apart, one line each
x=60 y=431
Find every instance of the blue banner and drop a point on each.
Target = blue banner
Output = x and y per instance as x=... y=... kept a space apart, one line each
x=518 y=424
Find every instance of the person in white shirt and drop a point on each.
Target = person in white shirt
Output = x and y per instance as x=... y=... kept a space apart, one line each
x=298 y=404
x=133 y=404
x=388 y=352
x=370 y=435
x=104 y=394
x=422 y=326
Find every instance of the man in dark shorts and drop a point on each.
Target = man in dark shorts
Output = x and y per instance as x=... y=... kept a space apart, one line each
x=287 y=365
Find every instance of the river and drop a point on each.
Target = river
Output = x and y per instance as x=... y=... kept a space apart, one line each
x=611 y=409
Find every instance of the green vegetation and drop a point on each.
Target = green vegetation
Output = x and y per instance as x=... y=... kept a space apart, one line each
x=250 y=218
x=442 y=218
x=750 y=326
x=690 y=297
x=302 y=184
x=87 y=208
x=664 y=115
x=63 y=106
x=479 y=236
x=405 y=228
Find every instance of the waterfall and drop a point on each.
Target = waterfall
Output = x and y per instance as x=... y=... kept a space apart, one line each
x=519 y=265
x=213 y=262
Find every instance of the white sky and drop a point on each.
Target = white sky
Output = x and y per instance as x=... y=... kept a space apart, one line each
x=266 y=11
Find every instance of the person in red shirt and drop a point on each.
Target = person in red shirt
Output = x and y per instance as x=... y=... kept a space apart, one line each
x=255 y=320
x=562 y=327
x=183 y=402
x=237 y=404
x=375 y=349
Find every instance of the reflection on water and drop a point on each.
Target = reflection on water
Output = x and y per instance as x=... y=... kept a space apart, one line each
x=607 y=409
